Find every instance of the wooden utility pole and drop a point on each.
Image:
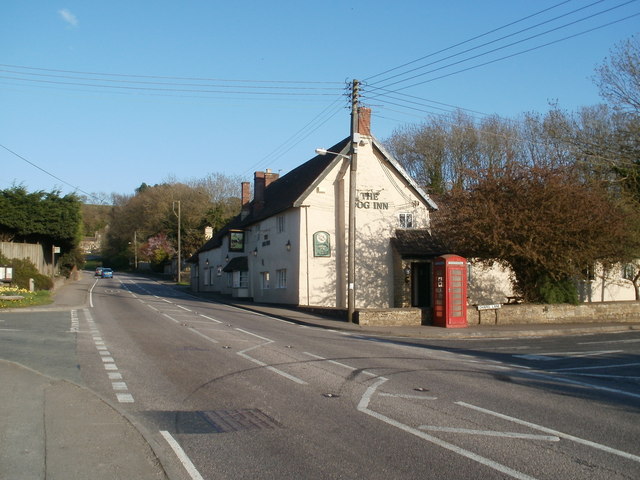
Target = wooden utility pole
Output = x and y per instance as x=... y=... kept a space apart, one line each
x=351 y=252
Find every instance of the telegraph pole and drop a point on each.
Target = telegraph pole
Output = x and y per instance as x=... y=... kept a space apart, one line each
x=179 y=225
x=351 y=252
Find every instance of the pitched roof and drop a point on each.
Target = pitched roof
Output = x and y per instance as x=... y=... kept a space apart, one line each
x=289 y=190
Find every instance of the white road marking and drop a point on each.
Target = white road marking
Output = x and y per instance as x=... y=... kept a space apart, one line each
x=125 y=398
x=563 y=355
x=630 y=340
x=119 y=386
x=243 y=354
x=184 y=459
x=212 y=340
x=491 y=433
x=91 y=293
x=343 y=365
x=599 y=367
x=114 y=375
x=363 y=407
x=212 y=319
x=110 y=366
x=410 y=397
x=582 y=441
x=582 y=384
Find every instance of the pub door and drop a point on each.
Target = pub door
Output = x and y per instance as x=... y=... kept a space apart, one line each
x=421 y=290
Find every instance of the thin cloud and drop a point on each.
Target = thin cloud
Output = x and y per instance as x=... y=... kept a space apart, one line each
x=68 y=17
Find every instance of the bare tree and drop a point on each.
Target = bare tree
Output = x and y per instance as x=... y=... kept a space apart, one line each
x=619 y=76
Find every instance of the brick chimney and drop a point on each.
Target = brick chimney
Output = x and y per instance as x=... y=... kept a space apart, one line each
x=364 y=121
x=261 y=180
x=246 y=199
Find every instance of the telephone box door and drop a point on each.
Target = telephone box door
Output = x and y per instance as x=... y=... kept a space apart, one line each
x=450 y=291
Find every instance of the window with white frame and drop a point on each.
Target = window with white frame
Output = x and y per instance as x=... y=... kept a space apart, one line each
x=281 y=223
x=229 y=279
x=240 y=279
x=406 y=220
x=264 y=280
x=281 y=278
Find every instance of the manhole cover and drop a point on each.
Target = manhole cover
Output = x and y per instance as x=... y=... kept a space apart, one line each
x=236 y=420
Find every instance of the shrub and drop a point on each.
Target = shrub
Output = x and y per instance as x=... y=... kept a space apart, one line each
x=558 y=291
x=23 y=270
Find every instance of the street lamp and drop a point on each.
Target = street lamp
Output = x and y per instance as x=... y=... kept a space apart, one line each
x=351 y=247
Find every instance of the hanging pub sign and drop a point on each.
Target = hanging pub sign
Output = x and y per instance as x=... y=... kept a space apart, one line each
x=321 y=244
x=236 y=241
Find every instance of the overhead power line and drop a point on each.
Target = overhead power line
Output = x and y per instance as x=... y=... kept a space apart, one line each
x=47 y=172
x=494 y=50
x=466 y=41
x=568 y=37
x=165 y=77
x=504 y=37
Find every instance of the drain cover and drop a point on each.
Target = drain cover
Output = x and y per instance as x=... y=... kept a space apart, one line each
x=224 y=421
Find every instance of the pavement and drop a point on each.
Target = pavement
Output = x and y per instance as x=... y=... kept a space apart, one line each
x=52 y=428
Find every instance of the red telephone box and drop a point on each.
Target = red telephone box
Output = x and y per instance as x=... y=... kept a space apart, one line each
x=450 y=291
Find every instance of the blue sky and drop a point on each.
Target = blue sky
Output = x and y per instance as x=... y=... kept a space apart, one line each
x=107 y=95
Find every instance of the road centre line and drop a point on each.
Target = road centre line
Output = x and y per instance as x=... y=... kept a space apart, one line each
x=184 y=308
x=243 y=354
x=628 y=340
x=363 y=406
x=209 y=318
x=599 y=367
x=212 y=340
x=491 y=433
x=255 y=335
x=409 y=397
x=559 y=355
x=582 y=441
x=343 y=365
x=582 y=384
x=182 y=456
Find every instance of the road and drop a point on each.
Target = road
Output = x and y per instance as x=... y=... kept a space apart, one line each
x=235 y=394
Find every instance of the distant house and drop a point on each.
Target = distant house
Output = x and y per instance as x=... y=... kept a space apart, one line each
x=289 y=243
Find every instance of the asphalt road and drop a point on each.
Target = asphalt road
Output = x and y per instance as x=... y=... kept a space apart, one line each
x=235 y=394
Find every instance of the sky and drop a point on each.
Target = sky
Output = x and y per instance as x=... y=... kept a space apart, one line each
x=98 y=97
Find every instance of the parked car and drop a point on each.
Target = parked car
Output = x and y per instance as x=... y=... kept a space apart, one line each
x=107 y=273
x=98 y=272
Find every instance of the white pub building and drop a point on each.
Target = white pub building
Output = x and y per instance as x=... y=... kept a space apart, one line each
x=289 y=244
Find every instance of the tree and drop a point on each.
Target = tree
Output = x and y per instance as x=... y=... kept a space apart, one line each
x=619 y=76
x=42 y=217
x=546 y=224
x=152 y=210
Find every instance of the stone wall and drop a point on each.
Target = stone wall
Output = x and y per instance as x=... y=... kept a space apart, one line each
x=389 y=317
x=533 y=313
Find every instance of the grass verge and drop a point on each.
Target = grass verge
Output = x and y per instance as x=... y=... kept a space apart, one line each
x=23 y=298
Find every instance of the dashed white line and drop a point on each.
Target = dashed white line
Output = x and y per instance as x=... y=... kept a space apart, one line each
x=124 y=397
